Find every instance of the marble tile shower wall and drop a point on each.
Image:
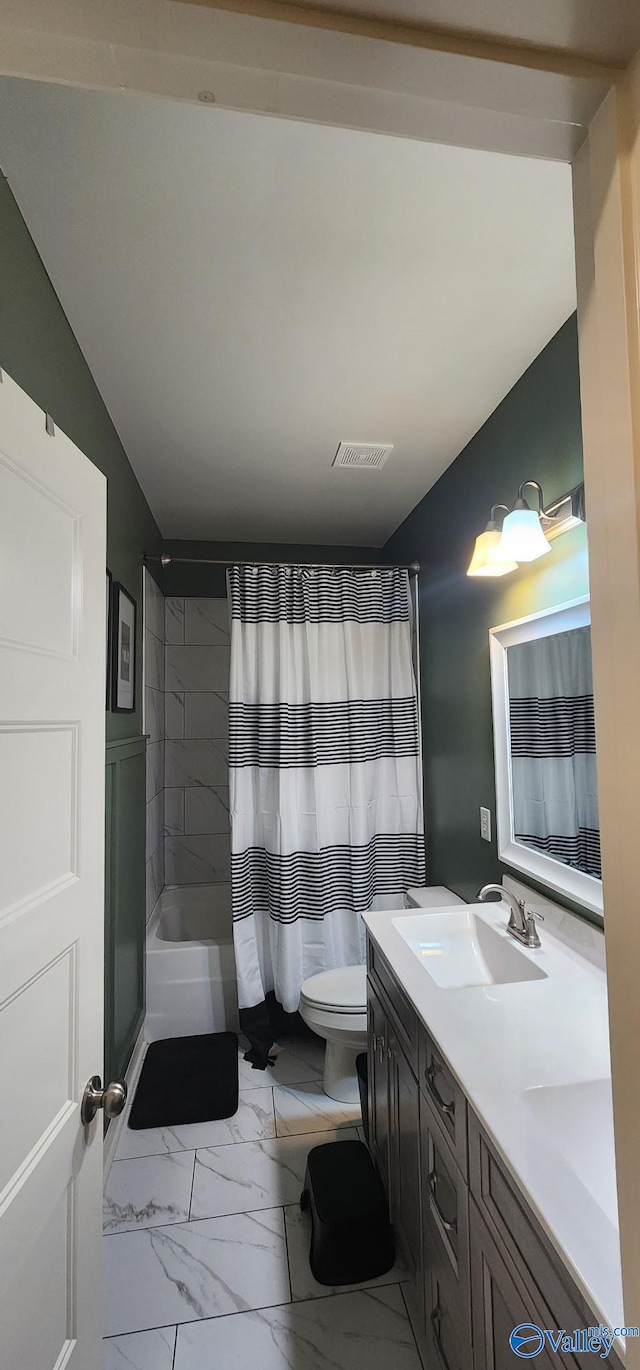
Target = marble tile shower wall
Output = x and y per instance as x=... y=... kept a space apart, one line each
x=154 y=726
x=197 y=651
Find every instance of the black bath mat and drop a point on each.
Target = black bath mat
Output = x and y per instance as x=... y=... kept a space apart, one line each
x=187 y=1080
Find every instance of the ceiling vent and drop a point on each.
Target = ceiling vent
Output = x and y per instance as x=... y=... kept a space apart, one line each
x=370 y=456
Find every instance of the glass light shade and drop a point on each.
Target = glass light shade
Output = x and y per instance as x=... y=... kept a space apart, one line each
x=487 y=559
x=522 y=536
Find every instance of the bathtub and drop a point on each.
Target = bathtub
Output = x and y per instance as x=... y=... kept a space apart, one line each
x=191 y=971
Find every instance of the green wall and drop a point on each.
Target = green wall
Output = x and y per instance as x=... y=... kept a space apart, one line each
x=535 y=433
x=181 y=579
x=40 y=353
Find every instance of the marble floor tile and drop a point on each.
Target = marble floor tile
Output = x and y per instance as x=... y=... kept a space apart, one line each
x=148 y=1192
x=254 y=1121
x=164 y=1275
x=306 y=1108
x=295 y=1063
x=363 y=1331
x=303 y=1285
x=140 y=1351
x=254 y=1175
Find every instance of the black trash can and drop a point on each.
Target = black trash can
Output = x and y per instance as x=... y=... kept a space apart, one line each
x=363 y=1083
x=351 y=1236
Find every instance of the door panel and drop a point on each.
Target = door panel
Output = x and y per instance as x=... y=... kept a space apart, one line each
x=405 y=1166
x=52 y=674
x=498 y=1305
x=38 y=818
x=40 y=608
x=47 y=1260
x=405 y=1180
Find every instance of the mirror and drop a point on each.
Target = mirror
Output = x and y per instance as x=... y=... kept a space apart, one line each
x=545 y=751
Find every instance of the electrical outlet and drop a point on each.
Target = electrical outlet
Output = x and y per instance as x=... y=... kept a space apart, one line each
x=485 y=824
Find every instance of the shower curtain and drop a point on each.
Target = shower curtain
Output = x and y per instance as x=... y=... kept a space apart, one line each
x=325 y=774
x=553 y=748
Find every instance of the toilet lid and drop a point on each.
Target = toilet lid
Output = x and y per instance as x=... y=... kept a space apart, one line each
x=344 y=988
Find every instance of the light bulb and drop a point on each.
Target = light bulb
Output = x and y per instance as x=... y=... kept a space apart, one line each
x=522 y=536
x=487 y=559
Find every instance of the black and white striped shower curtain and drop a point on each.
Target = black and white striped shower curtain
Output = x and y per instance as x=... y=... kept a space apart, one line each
x=553 y=748
x=325 y=768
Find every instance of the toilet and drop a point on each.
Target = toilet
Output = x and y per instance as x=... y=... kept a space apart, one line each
x=334 y=1005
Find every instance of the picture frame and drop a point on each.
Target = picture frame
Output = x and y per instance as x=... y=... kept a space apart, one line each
x=109 y=636
x=123 y=650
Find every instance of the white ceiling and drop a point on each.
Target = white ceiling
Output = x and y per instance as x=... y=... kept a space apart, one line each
x=248 y=292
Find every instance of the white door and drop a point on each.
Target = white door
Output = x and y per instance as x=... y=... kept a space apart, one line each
x=52 y=687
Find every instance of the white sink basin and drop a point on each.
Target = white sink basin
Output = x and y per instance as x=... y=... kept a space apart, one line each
x=459 y=949
x=579 y=1120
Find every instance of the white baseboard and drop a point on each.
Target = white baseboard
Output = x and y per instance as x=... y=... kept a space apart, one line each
x=115 y=1128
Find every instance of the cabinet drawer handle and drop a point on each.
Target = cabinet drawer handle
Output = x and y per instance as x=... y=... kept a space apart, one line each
x=379 y=1046
x=449 y=1110
x=435 y=1323
x=448 y=1226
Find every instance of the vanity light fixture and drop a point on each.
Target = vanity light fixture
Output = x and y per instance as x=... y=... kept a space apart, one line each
x=487 y=559
x=525 y=535
x=565 y=513
x=522 y=536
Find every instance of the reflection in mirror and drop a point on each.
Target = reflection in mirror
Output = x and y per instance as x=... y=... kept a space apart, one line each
x=545 y=751
x=553 y=748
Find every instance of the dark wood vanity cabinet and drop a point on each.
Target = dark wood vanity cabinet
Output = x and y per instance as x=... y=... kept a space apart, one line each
x=477 y=1262
x=378 y=1084
x=394 y=1136
x=498 y=1303
x=404 y=1170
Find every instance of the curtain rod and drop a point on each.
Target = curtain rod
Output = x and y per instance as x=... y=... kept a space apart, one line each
x=165 y=560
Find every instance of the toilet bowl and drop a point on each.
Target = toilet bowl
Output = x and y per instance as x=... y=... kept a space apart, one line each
x=334 y=1004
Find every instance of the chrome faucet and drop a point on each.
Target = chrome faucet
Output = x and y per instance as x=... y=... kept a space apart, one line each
x=521 y=925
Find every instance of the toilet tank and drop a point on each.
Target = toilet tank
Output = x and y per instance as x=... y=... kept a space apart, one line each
x=431 y=897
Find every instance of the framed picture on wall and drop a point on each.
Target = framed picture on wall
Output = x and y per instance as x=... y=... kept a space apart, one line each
x=123 y=652
x=109 y=624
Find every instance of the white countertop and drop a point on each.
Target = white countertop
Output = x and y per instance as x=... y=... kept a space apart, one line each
x=507 y=1044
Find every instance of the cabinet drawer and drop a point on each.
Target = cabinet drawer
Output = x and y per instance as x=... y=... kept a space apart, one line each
x=445 y=1097
x=445 y=1210
x=523 y=1245
x=444 y=1195
x=400 y=1012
